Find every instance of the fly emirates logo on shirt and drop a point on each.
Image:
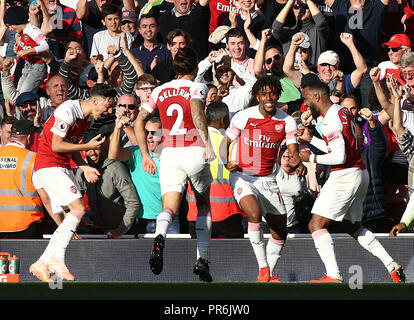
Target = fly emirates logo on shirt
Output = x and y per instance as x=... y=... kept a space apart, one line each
x=259 y=147
x=263 y=141
x=263 y=134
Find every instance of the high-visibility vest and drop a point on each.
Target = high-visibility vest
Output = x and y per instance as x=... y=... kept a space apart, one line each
x=222 y=201
x=20 y=204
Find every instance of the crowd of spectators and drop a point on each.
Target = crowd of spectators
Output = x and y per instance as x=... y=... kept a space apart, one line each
x=53 y=51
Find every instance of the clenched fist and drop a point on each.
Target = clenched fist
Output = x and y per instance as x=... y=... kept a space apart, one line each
x=366 y=114
x=306 y=118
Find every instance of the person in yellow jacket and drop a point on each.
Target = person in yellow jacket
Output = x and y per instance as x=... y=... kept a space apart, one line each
x=21 y=209
x=226 y=214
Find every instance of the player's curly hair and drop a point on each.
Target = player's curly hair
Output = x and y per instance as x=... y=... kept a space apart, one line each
x=271 y=82
x=185 y=61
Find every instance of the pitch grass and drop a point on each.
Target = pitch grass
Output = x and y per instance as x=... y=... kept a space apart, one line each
x=193 y=291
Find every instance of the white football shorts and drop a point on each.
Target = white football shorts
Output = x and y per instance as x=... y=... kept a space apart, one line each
x=342 y=196
x=178 y=165
x=264 y=188
x=60 y=184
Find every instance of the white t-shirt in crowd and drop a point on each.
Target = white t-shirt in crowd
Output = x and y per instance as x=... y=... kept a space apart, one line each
x=102 y=40
x=384 y=66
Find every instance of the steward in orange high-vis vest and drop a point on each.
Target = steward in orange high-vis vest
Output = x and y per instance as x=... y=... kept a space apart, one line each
x=222 y=201
x=20 y=204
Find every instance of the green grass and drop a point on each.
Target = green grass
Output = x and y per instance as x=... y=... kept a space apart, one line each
x=175 y=291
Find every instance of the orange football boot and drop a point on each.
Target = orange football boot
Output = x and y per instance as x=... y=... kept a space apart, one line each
x=326 y=278
x=264 y=275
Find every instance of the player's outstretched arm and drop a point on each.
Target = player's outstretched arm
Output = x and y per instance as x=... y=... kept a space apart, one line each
x=200 y=122
x=199 y=118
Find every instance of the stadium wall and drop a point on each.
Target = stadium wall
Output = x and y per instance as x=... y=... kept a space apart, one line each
x=231 y=260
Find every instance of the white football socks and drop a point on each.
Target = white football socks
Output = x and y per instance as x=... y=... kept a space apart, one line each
x=325 y=247
x=273 y=251
x=164 y=220
x=255 y=233
x=370 y=243
x=61 y=238
x=203 y=232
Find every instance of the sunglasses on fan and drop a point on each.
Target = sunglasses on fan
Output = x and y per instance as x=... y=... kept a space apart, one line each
x=129 y=106
x=270 y=60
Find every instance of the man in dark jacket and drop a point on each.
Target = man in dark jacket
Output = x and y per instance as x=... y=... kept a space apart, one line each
x=113 y=199
x=191 y=17
x=309 y=20
x=373 y=154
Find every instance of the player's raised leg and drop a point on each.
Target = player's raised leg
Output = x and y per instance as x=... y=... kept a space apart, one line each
x=61 y=238
x=352 y=225
x=67 y=192
x=370 y=243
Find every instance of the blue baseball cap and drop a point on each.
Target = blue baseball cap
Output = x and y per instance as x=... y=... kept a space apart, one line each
x=26 y=96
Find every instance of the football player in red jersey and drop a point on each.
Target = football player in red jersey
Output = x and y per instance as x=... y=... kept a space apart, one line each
x=341 y=198
x=185 y=155
x=258 y=132
x=58 y=145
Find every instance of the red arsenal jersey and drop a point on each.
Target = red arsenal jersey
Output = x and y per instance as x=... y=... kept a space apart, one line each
x=259 y=139
x=219 y=12
x=172 y=100
x=30 y=37
x=68 y=122
x=339 y=124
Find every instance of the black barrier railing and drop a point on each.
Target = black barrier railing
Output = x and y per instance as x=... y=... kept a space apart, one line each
x=230 y=259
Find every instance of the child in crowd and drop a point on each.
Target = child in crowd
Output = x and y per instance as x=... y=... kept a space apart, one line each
x=30 y=41
x=112 y=17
